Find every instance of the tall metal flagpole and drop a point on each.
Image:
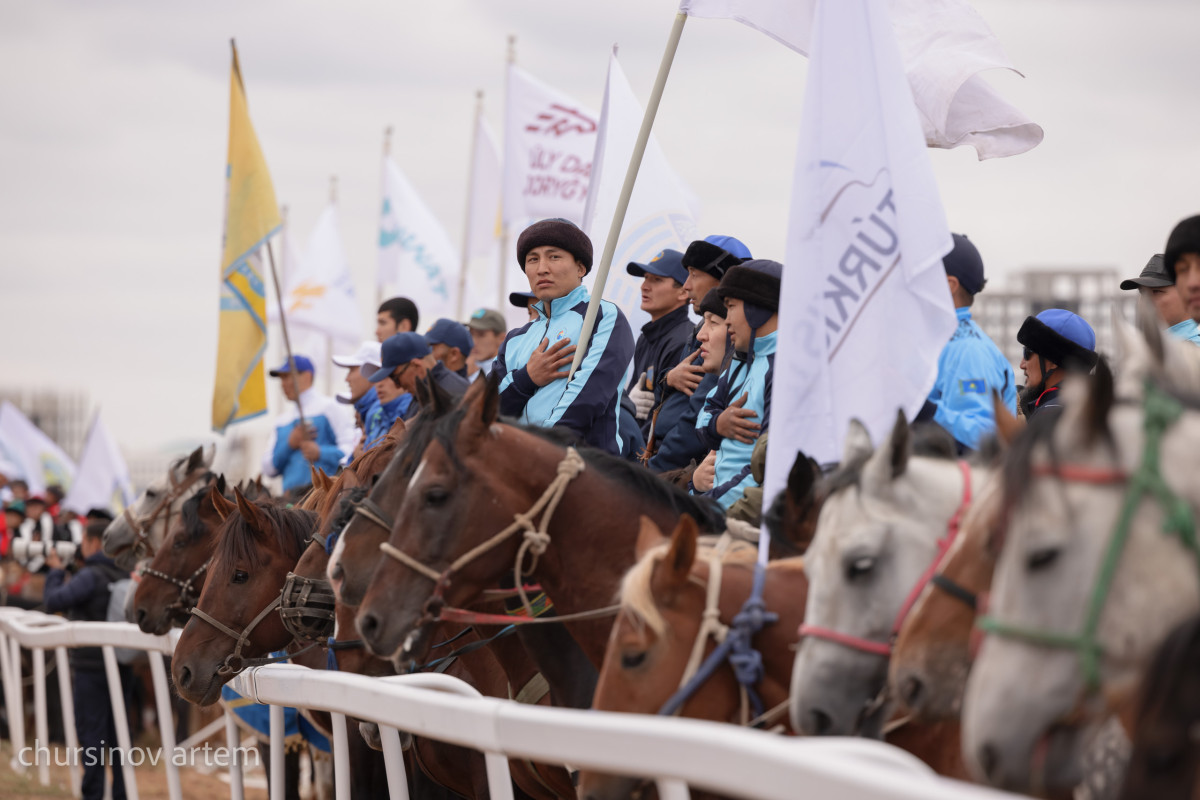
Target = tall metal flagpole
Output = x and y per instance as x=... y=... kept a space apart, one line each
x=287 y=342
x=387 y=151
x=635 y=162
x=502 y=299
x=466 y=245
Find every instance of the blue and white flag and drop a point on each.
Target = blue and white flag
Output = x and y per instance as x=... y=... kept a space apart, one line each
x=102 y=480
x=662 y=209
x=416 y=258
x=864 y=308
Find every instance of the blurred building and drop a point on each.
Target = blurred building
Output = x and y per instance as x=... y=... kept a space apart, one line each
x=64 y=416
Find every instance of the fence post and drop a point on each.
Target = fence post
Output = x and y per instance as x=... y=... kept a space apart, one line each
x=341 y=757
x=393 y=762
x=166 y=722
x=237 y=790
x=278 y=752
x=41 y=725
x=16 y=717
x=116 y=696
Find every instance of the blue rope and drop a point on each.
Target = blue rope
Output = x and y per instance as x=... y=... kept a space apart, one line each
x=737 y=649
x=331 y=659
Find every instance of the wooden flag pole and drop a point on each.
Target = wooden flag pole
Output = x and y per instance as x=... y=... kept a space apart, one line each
x=466 y=245
x=287 y=342
x=502 y=299
x=635 y=163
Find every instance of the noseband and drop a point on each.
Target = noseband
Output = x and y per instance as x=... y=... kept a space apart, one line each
x=1160 y=412
x=234 y=662
x=188 y=594
x=943 y=546
x=141 y=526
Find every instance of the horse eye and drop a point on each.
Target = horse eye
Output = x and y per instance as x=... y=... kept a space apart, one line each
x=436 y=496
x=859 y=567
x=240 y=577
x=151 y=494
x=177 y=544
x=1040 y=559
x=632 y=660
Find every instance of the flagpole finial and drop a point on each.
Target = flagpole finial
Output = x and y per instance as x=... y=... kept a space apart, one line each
x=333 y=189
x=387 y=141
x=616 y=47
x=512 y=48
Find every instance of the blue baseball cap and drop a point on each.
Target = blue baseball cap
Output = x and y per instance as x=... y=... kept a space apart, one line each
x=521 y=299
x=667 y=264
x=448 y=332
x=303 y=364
x=398 y=350
x=1061 y=336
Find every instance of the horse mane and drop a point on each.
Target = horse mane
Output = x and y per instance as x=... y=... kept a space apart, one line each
x=239 y=543
x=345 y=508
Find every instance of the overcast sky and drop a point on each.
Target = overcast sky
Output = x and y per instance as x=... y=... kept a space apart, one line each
x=115 y=118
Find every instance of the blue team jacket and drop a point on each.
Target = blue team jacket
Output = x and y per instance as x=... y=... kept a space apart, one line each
x=589 y=404
x=382 y=417
x=753 y=378
x=969 y=368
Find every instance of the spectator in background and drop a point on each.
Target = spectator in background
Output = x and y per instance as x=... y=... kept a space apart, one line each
x=393 y=403
x=525 y=300
x=19 y=489
x=407 y=359
x=664 y=339
x=1057 y=343
x=1157 y=286
x=450 y=343
x=359 y=394
x=85 y=598
x=54 y=497
x=14 y=515
x=326 y=436
x=487 y=328
x=396 y=315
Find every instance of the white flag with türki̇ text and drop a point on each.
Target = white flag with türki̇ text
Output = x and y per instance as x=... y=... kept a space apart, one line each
x=662 y=210
x=416 y=258
x=864 y=309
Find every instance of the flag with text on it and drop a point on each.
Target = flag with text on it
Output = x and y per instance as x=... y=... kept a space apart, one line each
x=416 y=257
x=484 y=261
x=40 y=461
x=662 y=210
x=864 y=307
x=102 y=480
x=944 y=44
x=549 y=140
x=251 y=217
x=318 y=293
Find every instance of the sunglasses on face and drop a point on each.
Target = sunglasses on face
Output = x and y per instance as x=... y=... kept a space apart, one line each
x=1027 y=353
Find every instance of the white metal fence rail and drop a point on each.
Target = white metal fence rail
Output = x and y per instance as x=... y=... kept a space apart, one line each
x=676 y=753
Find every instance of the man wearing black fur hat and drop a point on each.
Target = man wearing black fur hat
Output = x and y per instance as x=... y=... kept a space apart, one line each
x=1057 y=343
x=1182 y=260
x=534 y=361
x=970 y=367
x=738 y=410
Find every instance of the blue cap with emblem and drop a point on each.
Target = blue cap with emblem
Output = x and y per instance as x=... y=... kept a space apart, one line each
x=667 y=264
x=399 y=349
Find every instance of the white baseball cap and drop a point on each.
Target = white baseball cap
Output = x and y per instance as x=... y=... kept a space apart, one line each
x=367 y=353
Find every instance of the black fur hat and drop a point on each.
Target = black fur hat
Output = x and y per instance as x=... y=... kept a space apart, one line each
x=712 y=304
x=1184 y=239
x=556 y=233
x=754 y=282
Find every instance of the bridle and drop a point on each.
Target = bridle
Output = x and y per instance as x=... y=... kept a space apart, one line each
x=188 y=591
x=535 y=538
x=141 y=525
x=1160 y=411
x=944 y=544
x=234 y=662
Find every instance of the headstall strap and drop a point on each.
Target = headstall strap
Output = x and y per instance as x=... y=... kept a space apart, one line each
x=234 y=662
x=141 y=525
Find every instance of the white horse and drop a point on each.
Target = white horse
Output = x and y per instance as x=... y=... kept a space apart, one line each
x=1094 y=570
x=139 y=531
x=877 y=535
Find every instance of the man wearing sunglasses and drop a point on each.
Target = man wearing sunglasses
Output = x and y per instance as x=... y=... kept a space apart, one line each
x=1057 y=343
x=407 y=358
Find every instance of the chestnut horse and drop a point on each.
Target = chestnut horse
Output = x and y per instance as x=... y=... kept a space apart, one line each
x=474 y=477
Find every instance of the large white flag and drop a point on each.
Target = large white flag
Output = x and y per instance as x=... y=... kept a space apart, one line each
x=548 y=144
x=319 y=291
x=864 y=308
x=416 y=257
x=484 y=260
x=945 y=45
x=103 y=479
x=40 y=460
x=662 y=210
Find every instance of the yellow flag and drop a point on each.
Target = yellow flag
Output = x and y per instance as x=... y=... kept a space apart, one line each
x=251 y=217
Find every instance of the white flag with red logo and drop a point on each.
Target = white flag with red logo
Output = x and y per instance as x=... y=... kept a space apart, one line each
x=549 y=140
x=662 y=210
x=864 y=309
x=944 y=44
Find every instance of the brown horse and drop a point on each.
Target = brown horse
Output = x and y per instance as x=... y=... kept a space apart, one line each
x=473 y=478
x=1165 y=763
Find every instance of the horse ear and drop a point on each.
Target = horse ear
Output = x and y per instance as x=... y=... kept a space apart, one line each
x=649 y=537
x=424 y=397
x=314 y=476
x=221 y=504
x=802 y=478
x=890 y=461
x=252 y=514
x=1099 y=402
x=195 y=461
x=858 y=442
x=676 y=567
x=1007 y=425
x=219 y=483
x=480 y=402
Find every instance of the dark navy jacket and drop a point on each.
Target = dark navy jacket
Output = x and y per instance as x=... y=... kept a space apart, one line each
x=589 y=404
x=84 y=598
x=659 y=349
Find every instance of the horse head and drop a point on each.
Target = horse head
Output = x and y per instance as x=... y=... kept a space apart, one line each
x=138 y=532
x=877 y=533
x=1099 y=561
x=235 y=617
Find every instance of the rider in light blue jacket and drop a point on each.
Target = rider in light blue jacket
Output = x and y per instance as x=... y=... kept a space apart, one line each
x=533 y=362
x=971 y=366
x=738 y=410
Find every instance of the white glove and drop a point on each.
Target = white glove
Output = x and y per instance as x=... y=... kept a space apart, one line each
x=643 y=399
